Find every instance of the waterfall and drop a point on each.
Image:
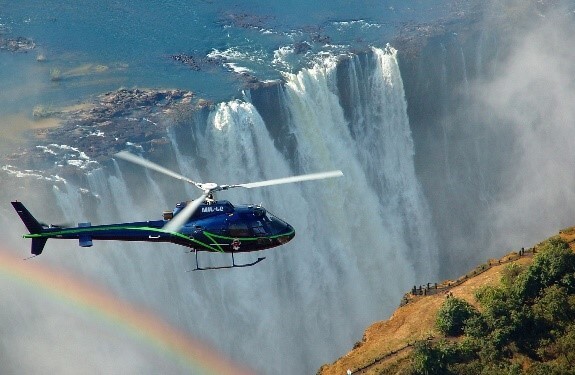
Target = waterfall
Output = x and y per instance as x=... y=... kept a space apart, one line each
x=489 y=104
x=353 y=234
x=361 y=241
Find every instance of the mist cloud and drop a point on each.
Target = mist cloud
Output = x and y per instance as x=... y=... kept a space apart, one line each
x=531 y=95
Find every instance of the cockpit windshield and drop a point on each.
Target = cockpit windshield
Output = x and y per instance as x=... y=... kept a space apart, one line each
x=275 y=224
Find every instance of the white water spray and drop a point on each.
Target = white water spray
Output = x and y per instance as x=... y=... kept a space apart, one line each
x=361 y=241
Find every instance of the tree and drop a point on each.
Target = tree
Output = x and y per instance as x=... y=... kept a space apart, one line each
x=555 y=263
x=553 y=305
x=452 y=316
x=428 y=359
x=510 y=273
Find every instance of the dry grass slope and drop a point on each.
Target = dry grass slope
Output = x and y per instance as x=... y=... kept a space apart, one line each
x=386 y=344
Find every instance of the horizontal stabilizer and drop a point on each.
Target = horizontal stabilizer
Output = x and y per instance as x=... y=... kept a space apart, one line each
x=85 y=241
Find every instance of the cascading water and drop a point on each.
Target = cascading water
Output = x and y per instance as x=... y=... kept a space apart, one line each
x=489 y=94
x=361 y=241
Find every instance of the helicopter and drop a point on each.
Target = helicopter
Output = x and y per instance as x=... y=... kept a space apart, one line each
x=203 y=224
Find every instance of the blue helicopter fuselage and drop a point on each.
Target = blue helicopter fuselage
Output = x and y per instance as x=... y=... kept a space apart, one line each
x=217 y=226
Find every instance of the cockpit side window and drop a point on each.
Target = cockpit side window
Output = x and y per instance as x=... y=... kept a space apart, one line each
x=239 y=229
x=258 y=228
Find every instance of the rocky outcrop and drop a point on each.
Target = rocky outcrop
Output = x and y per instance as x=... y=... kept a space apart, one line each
x=89 y=134
x=245 y=20
x=18 y=44
x=197 y=62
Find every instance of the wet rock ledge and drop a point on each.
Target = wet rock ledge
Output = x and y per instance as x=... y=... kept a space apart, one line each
x=89 y=133
x=18 y=44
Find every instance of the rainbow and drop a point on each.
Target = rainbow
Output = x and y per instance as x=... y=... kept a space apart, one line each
x=136 y=322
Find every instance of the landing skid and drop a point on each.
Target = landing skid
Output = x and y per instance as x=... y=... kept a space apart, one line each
x=234 y=265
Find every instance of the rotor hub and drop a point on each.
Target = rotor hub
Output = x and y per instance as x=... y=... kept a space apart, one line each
x=209 y=186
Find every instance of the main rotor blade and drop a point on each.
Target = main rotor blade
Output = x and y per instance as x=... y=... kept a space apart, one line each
x=151 y=165
x=184 y=215
x=289 y=180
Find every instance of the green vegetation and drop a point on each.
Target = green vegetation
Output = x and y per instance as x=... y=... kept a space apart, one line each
x=525 y=325
x=453 y=315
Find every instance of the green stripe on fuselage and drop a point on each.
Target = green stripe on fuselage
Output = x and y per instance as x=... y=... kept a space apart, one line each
x=91 y=229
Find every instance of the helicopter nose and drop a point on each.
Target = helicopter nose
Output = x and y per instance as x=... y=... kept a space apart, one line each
x=280 y=230
x=287 y=235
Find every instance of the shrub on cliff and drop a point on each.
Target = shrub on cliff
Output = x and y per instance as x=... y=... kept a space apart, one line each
x=428 y=359
x=554 y=264
x=510 y=273
x=453 y=315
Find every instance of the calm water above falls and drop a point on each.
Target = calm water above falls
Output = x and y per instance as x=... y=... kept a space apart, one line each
x=104 y=45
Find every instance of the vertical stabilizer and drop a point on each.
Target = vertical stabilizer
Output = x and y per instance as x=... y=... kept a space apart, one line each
x=38 y=245
x=34 y=227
